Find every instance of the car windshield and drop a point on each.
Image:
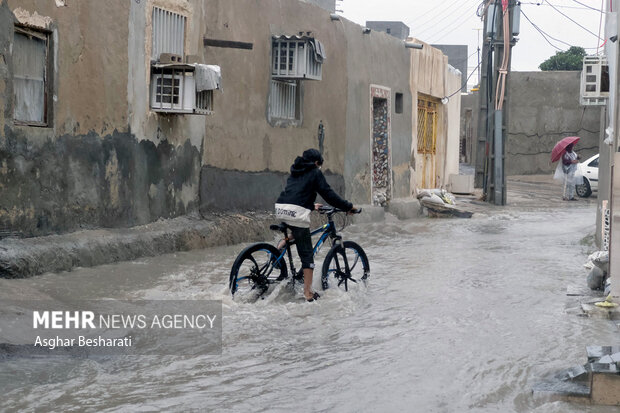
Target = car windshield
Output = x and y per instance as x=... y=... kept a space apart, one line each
x=594 y=163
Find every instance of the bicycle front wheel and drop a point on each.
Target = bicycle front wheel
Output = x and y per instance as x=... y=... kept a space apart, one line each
x=350 y=273
x=254 y=269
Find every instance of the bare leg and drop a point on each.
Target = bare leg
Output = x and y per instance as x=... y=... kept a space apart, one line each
x=308 y=293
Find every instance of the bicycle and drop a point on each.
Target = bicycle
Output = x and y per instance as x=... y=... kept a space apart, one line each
x=261 y=265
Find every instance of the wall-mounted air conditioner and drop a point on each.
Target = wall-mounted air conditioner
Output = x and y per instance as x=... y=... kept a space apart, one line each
x=173 y=90
x=297 y=57
x=594 y=81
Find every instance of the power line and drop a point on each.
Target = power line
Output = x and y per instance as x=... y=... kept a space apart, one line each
x=435 y=17
x=431 y=24
x=449 y=26
x=441 y=34
x=562 y=7
x=466 y=80
x=542 y=32
x=584 y=28
x=546 y=35
x=435 y=9
x=588 y=7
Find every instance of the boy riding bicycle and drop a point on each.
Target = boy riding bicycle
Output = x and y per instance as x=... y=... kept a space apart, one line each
x=295 y=203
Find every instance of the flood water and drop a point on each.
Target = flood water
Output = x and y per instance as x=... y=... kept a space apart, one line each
x=459 y=315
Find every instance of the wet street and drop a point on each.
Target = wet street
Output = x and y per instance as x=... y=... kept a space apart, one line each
x=459 y=315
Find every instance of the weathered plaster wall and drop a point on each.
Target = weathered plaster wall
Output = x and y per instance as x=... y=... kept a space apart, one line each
x=430 y=76
x=104 y=160
x=382 y=60
x=544 y=108
x=239 y=136
x=453 y=114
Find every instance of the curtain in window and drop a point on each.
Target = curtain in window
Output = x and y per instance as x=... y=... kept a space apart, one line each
x=29 y=57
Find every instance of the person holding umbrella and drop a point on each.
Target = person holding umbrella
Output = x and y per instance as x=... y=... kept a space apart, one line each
x=568 y=169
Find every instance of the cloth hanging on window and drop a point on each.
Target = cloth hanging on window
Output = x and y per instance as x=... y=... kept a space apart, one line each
x=208 y=77
x=319 y=50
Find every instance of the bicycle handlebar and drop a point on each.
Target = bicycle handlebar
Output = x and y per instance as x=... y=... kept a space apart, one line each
x=332 y=210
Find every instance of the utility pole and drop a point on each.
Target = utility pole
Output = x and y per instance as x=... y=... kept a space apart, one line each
x=493 y=120
x=485 y=100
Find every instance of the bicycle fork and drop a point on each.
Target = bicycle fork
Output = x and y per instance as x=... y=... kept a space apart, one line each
x=343 y=277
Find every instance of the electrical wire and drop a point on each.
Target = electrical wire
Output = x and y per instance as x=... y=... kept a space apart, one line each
x=435 y=9
x=546 y=35
x=561 y=7
x=569 y=18
x=590 y=7
x=450 y=28
x=465 y=83
x=600 y=24
x=503 y=69
x=432 y=24
x=435 y=32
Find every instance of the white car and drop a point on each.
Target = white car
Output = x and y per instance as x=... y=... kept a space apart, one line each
x=589 y=169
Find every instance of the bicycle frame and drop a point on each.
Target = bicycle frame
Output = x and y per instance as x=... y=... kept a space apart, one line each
x=328 y=231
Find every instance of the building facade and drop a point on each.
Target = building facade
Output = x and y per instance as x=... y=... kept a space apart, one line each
x=121 y=114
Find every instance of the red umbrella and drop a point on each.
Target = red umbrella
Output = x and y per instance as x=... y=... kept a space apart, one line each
x=558 y=149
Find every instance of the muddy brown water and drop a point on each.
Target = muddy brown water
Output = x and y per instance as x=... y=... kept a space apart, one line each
x=459 y=315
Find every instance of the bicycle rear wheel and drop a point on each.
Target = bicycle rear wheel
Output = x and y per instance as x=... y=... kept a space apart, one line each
x=335 y=271
x=254 y=269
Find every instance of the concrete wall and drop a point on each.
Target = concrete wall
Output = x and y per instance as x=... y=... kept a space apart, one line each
x=544 y=108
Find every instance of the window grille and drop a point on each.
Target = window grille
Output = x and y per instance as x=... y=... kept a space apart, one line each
x=204 y=101
x=168 y=33
x=427 y=126
x=283 y=99
x=30 y=76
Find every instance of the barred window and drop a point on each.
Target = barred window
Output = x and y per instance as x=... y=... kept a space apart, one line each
x=284 y=99
x=427 y=125
x=168 y=33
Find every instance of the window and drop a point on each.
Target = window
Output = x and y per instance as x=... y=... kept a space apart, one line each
x=168 y=33
x=293 y=60
x=30 y=77
x=594 y=163
x=398 y=103
x=178 y=87
x=284 y=99
x=427 y=125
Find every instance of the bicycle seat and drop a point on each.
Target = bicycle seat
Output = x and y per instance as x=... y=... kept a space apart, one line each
x=278 y=227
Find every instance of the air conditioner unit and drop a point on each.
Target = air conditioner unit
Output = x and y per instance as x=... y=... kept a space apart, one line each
x=297 y=57
x=594 y=81
x=174 y=91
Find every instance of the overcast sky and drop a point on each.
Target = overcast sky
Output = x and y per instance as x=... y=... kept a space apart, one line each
x=455 y=22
